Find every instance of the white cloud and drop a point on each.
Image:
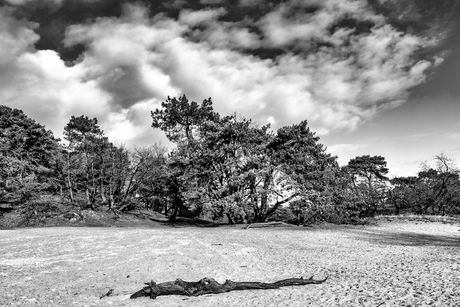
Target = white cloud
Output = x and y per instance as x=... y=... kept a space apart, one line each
x=21 y=2
x=122 y=57
x=16 y=2
x=287 y=25
x=193 y=18
x=340 y=148
x=134 y=62
x=39 y=83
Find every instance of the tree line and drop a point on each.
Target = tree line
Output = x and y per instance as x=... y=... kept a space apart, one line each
x=221 y=168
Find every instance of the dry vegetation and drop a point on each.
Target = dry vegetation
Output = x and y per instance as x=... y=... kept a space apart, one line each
x=396 y=263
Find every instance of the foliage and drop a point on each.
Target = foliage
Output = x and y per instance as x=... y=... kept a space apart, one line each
x=27 y=157
x=95 y=171
x=440 y=186
x=369 y=182
x=230 y=167
x=179 y=118
x=405 y=193
x=436 y=189
x=84 y=159
x=224 y=168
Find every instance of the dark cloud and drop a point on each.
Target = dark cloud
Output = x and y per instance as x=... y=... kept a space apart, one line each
x=54 y=16
x=360 y=26
x=420 y=17
x=124 y=85
x=443 y=81
x=437 y=19
x=336 y=63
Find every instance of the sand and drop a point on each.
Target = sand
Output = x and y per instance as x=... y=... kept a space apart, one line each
x=392 y=264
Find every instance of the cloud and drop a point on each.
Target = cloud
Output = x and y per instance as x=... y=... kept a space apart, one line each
x=244 y=3
x=121 y=56
x=340 y=148
x=333 y=73
x=423 y=17
x=417 y=136
x=175 y=4
x=346 y=151
x=39 y=82
x=307 y=23
x=194 y=18
x=211 y=1
x=342 y=77
x=16 y=2
x=452 y=136
x=22 y=2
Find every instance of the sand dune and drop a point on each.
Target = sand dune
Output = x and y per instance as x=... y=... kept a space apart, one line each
x=394 y=264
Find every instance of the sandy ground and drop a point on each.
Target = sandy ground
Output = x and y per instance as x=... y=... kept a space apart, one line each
x=393 y=264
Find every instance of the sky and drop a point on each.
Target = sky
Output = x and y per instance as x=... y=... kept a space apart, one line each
x=372 y=77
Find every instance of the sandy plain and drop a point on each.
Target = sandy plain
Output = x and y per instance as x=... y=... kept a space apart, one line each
x=390 y=264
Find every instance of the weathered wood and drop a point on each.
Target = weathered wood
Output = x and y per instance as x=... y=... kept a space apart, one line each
x=268 y=224
x=211 y=286
x=107 y=294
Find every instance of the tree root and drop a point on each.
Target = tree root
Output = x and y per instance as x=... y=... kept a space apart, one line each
x=210 y=286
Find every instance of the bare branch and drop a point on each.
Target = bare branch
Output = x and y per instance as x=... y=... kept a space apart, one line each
x=209 y=285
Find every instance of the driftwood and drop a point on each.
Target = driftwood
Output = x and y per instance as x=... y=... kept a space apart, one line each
x=210 y=286
x=107 y=294
x=269 y=224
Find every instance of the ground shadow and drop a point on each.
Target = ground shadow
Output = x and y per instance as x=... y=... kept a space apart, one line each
x=410 y=239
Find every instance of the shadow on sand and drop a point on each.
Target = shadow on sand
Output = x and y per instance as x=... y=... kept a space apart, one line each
x=410 y=239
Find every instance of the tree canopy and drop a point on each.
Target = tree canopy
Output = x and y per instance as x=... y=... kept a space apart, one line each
x=236 y=168
x=28 y=156
x=222 y=168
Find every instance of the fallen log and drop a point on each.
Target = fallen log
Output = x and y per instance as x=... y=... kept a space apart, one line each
x=211 y=286
x=269 y=224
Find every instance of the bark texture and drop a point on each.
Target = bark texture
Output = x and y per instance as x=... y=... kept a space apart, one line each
x=210 y=286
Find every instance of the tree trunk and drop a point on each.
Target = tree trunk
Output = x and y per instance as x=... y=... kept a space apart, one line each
x=264 y=197
x=229 y=217
x=176 y=204
x=93 y=182
x=70 y=190
x=72 y=199
x=102 y=186
x=209 y=285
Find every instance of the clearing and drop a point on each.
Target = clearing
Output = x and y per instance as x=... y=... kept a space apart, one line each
x=396 y=263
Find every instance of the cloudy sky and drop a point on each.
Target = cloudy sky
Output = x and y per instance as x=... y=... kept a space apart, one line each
x=378 y=77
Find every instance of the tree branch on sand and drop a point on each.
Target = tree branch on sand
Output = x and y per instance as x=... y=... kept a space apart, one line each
x=268 y=224
x=211 y=286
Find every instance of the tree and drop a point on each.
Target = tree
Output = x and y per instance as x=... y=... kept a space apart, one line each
x=179 y=118
x=404 y=193
x=95 y=168
x=228 y=166
x=306 y=170
x=440 y=186
x=153 y=177
x=28 y=157
x=116 y=177
x=233 y=165
x=369 y=181
x=86 y=145
x=338 y=201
